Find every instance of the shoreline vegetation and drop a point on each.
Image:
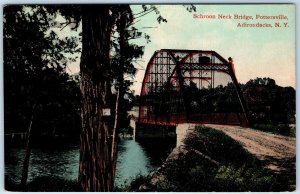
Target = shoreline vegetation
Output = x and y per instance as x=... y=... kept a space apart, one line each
x=208 y=160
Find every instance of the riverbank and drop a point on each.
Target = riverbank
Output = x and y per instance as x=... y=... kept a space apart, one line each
x=55 y=168
x=43 y=184
x=209 y=160
x=205 y=159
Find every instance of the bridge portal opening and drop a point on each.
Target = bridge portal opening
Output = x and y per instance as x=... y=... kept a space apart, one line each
x=191 y=86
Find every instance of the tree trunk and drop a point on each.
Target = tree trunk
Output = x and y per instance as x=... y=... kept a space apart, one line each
x=121 y=25
x=114 y=137
x=28 y=152
x=95 y=169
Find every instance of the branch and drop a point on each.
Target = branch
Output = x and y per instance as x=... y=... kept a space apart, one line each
x=143 y=11
x=68 y=68
x=67 y=23
x=135 y=22
x=139 y=64
x=149 y=27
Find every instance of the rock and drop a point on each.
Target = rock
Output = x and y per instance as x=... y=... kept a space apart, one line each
x=143 y=188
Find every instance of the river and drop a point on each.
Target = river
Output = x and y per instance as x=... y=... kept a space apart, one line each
x=134 y=158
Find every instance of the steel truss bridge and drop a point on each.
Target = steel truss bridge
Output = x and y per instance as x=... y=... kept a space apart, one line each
x=191 y=86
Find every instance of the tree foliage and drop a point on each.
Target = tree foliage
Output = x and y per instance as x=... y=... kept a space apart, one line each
x=36 y=86
x=270 y=103
x=35 y=59
x=125 y=54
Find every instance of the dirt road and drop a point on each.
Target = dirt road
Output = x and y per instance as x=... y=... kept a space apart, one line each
x=277 y=152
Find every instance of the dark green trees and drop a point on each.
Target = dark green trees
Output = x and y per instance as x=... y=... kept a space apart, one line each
x=270 y=103
x=35 y=59
x=39 y=97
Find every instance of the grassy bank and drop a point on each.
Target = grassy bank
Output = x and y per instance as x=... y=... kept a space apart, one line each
x=212 y=161
x=280 y=129
x=43 y=183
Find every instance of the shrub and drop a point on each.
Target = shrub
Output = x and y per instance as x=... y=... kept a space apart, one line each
x=244 y=178
x=56 y=184
x=218 y=164
x=134 y=184
x=220 y=147
x=281 y=129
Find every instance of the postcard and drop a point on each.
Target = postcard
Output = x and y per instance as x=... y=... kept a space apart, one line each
x=150 y=97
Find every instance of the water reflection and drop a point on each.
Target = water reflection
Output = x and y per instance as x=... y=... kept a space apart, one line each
x=61 y=163
x=48 y=162
x=134 y=158
x=140 y=157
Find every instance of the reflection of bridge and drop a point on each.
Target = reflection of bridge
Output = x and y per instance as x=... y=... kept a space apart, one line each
x=191 y=86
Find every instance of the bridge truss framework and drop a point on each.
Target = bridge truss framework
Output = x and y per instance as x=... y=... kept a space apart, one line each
x=170 y=73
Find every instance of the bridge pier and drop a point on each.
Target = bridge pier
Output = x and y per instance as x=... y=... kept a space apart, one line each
x=149 y=130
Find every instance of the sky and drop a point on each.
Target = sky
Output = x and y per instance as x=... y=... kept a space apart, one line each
x=256 y=51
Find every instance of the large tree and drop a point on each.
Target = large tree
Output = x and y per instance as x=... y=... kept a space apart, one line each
x=95 y=172
x=98 y=142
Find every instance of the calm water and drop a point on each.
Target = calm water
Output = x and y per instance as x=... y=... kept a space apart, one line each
x=133 y=159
